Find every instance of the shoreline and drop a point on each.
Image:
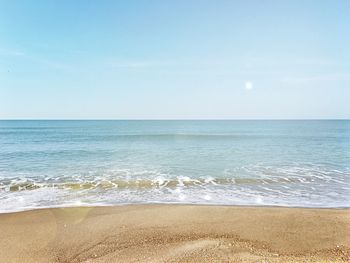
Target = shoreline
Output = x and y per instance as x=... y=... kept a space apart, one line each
x=174 y=204
x=176 y=233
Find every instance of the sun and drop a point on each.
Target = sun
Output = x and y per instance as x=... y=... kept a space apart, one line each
x=249 y=85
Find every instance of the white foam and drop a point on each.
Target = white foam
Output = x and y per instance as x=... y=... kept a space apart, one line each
x=307 y=186
x=207 y=197
x=259 y=200
x=182 y=197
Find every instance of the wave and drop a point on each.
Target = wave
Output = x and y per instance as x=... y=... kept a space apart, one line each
x=254 y=175
x=304 y=185
x=144 y=183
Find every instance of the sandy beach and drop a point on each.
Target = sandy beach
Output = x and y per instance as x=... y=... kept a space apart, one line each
x=176 y=233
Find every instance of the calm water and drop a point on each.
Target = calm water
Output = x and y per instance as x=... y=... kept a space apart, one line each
x=70 y=163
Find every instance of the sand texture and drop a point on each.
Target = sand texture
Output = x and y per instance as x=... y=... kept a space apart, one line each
x=176 y=233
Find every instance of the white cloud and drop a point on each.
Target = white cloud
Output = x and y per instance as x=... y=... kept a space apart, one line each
x=248 y=85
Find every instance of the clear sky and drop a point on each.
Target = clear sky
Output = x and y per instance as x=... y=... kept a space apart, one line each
x=183 y=59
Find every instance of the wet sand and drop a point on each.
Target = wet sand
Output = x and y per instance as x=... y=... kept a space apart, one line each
x=176 y=233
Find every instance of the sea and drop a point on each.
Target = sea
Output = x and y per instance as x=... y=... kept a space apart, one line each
x=292 y=163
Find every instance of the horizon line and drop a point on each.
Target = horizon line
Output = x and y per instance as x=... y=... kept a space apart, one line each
x=179 y=119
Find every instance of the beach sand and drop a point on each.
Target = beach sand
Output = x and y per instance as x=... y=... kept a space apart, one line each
x=176 y=233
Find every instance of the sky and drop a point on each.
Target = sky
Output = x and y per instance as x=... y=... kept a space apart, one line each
x=183 y=59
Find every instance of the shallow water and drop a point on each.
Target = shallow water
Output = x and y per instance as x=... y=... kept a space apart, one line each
x=70 y=163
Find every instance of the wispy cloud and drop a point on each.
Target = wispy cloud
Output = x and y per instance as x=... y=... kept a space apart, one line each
x=318 y=78
x=286 y=60
x=10 y=52
x=244 y=65
x=138 y=64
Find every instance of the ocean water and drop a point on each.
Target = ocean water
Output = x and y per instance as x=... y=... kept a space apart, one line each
x=75 y=163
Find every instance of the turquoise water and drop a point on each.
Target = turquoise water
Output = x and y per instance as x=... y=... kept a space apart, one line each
x=71 y=163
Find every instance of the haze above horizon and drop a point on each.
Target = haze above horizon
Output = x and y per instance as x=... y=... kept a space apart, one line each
x=174 y=59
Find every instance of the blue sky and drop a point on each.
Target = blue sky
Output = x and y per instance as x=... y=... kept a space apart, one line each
x=165 y=59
